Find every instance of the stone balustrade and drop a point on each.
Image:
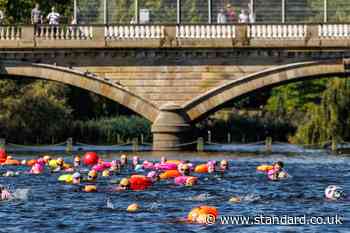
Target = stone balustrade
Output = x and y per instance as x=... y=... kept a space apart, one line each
x=168 y=36
x=205 y=31
x=334 y=30
x=277 y=31
x=10 y=33
x=122 y=32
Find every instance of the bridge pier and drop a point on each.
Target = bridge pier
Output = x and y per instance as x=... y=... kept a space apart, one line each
x=170 y=129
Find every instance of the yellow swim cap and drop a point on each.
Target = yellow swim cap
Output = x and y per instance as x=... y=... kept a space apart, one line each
x=90 y=188
x=124 y=182
x=92 y=173
x=105 y=173
x=133 y=208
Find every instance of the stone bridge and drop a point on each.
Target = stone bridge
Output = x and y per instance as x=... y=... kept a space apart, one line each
x=175 y=75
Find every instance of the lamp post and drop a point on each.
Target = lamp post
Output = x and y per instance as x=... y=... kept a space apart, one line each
x=178 y=11
x=210 y=12
x=325 y=11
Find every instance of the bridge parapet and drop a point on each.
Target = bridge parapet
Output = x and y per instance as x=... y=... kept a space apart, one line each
x=177 y=36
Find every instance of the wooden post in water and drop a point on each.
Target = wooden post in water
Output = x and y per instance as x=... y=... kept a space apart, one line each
x=3 y=143
x=142 y=139
x=118 y=139
x=209 y=136
x=228 y=138
x=268 y=144
x=200 y=144
x=69 y=147
x=334 y=145
x=135 y=145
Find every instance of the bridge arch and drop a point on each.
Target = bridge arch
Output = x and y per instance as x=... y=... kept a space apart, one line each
x=210 y=101
x=84 y=80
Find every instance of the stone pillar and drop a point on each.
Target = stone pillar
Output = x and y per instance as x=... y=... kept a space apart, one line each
x=170 y=129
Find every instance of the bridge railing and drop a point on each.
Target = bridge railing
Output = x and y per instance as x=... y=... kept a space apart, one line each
x=277 y=31
x=71 y=32
x=10 y=32
x=199 y=35
x=205 y=31
x=334 y=31
x=120 y=32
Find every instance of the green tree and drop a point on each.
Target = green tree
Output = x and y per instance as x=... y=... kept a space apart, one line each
x=330 y=119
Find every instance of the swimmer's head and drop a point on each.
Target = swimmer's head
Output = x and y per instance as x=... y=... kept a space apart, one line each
x=135 y=160
x=124 y=183
x=163 y=159
x=185 y=169
x=92 y=175
x=47 y=158
x=123 y=159
x=105 y=173
x=77 y=160
x=211 y=166
x=191 y=181
x=224 y=164
x=76 y=178
x=334 y=192
x=278 y=165
x=60 y=161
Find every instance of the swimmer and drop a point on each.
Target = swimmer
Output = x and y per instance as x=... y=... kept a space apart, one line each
x=211 y=166
x=334 y=193
x=223 y=165
x=123 y=160
x=47 y=159
x=77 y=161
x=76 y=178
x=115 y=166
x=4 y=193
x=135 y=161
x=184 y=169
x=92 y=176
x=106 y=173
x=124 y=184
x=38 y=167
x=277 y=173
x=60 y=165
x=163 y=160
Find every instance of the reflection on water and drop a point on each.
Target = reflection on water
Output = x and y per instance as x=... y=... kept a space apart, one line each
x=53 y=207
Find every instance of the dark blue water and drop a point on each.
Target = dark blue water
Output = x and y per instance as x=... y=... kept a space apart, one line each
x=54 y=207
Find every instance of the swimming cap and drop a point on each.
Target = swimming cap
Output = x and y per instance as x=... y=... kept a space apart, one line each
x=92 y=173
x=76 y=175
x=139 y=167
x=105 y=173
x=77 y=159
x=47 y=158
x=124 y=182
x=59 y=161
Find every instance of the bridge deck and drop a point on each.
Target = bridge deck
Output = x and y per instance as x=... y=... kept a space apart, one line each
x=178 y=36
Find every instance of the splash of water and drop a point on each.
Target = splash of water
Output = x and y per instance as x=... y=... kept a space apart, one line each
x=109 y=204
x=21 y=194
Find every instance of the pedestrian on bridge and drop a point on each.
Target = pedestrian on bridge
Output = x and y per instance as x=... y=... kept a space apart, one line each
x=53 y=17
x=36 y=18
